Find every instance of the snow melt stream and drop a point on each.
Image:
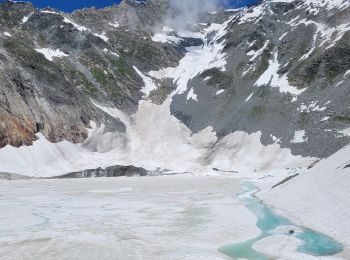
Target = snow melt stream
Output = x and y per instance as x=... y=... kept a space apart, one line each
x=307 y=241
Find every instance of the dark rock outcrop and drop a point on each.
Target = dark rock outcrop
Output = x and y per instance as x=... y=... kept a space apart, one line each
x=113 y=171
x=285 y=180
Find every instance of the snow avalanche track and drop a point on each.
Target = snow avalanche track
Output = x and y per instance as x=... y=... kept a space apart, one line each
x=154 y=138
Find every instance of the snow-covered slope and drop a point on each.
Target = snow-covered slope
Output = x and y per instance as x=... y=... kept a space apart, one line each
x=319 y=198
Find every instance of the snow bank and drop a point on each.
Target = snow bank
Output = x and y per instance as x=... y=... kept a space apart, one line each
x=50 y=53
x=319 y=198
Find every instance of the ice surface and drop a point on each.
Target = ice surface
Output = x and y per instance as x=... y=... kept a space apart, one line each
x=163 y=218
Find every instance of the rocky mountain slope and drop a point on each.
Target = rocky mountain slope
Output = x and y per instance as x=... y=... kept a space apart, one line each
x=286 y=75
x=274 y=76
x=51 y=93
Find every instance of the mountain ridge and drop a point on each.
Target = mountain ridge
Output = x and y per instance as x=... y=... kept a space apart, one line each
x=271 y=80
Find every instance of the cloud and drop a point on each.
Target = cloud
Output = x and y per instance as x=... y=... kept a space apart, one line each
x=183 y=12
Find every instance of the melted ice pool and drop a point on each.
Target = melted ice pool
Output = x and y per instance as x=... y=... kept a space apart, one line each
x=313 y=243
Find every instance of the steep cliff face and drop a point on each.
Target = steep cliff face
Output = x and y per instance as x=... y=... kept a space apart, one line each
x=277 y=72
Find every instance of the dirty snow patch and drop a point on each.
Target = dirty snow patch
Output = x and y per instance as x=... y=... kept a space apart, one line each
x=257 y=53
x=149 y=84
x=164 y=38
x=76 y=26
x=192 y=95
x=312 y=107
x=220 y=91
x=248 y=98
x=115 y=24
x=299 y=137
x=101 y=36
x=345 y=132
x=105 y=50
x=25 y=18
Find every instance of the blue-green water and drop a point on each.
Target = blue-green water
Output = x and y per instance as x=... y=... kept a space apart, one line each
x=314 y=243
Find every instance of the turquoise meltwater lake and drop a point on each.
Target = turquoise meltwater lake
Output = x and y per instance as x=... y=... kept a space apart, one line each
x=313 y=243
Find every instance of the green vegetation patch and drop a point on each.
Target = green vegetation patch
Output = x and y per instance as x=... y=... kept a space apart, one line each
x=217 y=77
x=338 y=59
x=258 y=111
x=122 y=68
x=264 y=62
x=343 y=119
